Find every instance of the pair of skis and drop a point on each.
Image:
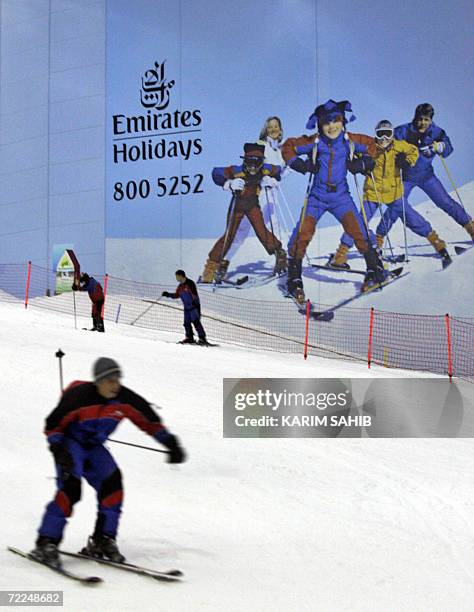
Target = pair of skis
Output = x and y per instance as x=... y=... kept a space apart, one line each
x=166 y=576
x=328 y=314
x=242 y=282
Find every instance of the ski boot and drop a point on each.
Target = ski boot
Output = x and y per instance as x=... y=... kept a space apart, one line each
x=202 y=342
x=469 y=227
x=281 y=262
x=209 y=271
x=187 y=341
x=440 y=246
x=295 y=284
x=46 y=552
x=101 y=547
x=446 y=257
x=339 y=258
x=376 y=273
x=221 y=271
x=98 y=325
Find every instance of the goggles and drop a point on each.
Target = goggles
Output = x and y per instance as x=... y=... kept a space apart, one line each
x=253 y=162
x=384 y=133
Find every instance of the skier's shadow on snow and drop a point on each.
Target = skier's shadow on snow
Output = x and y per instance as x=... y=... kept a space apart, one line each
x=432 y=255
x=255 y=268
x=331 y=278
x=426 y=244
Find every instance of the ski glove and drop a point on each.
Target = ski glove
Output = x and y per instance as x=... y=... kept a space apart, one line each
x=427 y=151
x=361 y=165
x=268 y=181
x=63 y=458
x=236 y=184
x=165 y=294
x=176 y=452
x=304 y=166
x=74 y=287
x=401 y=161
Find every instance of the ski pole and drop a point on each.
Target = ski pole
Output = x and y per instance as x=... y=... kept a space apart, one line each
x=404 y=218
x=269 y=210
x=156 y=450
x=291 y=218
x=452 y=182
x=270 y=213
x=230 y=215
x=303 y=214
x=379 y=203
x=279 y=215
x=362 y=207
x=59 y=354
x=74 y=301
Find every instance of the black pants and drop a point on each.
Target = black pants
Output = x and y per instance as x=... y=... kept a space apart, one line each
x=199 y=329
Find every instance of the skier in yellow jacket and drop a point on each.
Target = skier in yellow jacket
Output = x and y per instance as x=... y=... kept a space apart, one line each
x=384 y=185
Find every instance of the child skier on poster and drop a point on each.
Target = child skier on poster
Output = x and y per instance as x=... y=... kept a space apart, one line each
x=330 y=153
x=245 y=181
x=384 y=186
x=431 y=141
x=271 y=136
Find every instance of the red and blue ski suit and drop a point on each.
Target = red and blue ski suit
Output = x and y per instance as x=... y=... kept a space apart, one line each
x=82 y=422
x=244 y=204
x=188 y=294
x=96 y=295
x=422 y=174
x=329 y=190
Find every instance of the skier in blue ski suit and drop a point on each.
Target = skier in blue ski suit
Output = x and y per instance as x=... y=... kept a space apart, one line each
x=431 y=140
x=76 y=430
x=330 y=154
x=188 y=294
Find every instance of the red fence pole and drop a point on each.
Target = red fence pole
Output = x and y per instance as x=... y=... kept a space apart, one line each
x=106 y=280
x=371 y=331
x=448 y=337
x=27 y=289
x=308 y=311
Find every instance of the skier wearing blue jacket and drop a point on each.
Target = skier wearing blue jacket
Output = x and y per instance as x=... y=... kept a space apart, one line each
x=188 y=294
x=76 y=430
x=431 y=140
x=329 y=154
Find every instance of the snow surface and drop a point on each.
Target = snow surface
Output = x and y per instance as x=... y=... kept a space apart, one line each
x=426 y=290
x=257 y=524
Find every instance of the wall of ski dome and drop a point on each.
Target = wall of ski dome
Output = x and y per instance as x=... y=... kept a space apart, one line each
x=52 y=125
x=75 y=120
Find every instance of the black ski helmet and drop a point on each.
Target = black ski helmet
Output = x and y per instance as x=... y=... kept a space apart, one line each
x=254 y=156
x=84 y=278
x=424 y=110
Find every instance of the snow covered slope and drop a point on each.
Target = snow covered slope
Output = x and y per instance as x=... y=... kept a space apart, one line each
x=257 y=525
x=426 y=290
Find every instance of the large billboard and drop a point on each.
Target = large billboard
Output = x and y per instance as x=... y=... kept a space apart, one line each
x=188 y=85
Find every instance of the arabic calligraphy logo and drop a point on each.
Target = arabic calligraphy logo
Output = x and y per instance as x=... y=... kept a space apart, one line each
x=155 y=88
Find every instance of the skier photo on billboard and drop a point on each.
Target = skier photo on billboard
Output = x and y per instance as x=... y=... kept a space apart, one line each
x=327 y=156
x=384 y=186
x=245 y=182
x=271 y=136
x=431 y=141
